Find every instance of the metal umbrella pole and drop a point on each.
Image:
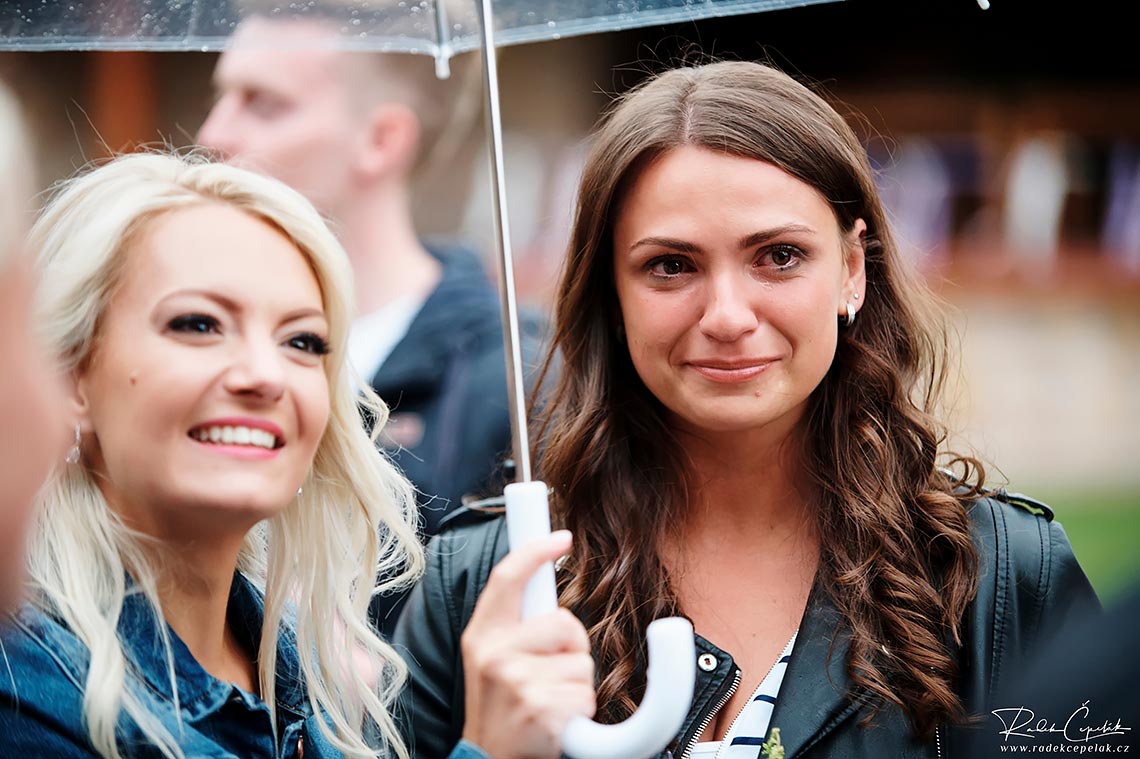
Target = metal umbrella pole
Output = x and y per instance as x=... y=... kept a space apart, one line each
x=671 y=670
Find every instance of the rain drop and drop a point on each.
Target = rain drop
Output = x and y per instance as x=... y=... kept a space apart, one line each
x=551 y=24
x=356 y=22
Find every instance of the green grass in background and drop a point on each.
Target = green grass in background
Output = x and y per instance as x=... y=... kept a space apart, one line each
x=1104 y=528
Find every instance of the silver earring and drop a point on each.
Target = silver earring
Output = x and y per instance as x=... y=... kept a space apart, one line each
x=850 y=313
x=299 y=491
x=855 y=296
x=73 y=452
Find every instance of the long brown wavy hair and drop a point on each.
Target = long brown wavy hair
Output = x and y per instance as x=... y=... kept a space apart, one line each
x=896 y=555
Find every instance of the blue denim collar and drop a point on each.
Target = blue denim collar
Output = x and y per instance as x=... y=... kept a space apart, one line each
x=199 y=692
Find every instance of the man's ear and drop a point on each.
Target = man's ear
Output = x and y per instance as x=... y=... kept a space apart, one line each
x=391 y=141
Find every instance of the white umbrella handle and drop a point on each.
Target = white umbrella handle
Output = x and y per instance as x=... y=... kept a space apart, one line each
x=672 y=669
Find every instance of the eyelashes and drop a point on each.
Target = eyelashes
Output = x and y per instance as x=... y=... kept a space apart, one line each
x=198 y=324
x=310 y=343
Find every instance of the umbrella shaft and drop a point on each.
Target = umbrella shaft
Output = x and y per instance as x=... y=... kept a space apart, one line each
x=515 y=384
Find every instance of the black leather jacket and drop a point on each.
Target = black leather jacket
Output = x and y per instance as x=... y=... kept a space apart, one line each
x=1029 y=578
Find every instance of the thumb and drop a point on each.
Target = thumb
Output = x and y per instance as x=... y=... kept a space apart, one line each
x=501 y=600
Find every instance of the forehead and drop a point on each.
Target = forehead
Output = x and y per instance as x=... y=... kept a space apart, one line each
x=222 y=249
x=286 y=53
x=692 y=184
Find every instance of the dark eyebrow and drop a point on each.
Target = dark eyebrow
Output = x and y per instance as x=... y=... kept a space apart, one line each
x=766 y=235
x=748 y=241
x=681 y=246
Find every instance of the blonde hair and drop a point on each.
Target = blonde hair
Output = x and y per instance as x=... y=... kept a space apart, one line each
x=352 y=523
x=15 y=175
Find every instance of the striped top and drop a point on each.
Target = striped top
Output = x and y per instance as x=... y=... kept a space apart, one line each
x=746 y=734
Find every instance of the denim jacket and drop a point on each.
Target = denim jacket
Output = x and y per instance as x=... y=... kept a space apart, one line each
x=43 y=668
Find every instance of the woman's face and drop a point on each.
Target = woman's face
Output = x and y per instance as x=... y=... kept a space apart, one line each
x=731 y=275
x=33 y=431
x=206 y=394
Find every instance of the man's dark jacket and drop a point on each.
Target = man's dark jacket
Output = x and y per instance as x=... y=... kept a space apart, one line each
x=445 y=383
x=1028 y=580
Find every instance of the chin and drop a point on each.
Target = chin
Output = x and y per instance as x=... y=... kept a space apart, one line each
x=251 y=506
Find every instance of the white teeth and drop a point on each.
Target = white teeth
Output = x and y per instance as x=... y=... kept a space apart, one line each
x=228 y=435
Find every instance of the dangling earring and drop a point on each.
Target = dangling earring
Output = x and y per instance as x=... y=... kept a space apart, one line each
x=73 y=453
x=850 y=314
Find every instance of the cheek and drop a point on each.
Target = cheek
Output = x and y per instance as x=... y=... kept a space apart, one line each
x=655 y=321
x=312 y=393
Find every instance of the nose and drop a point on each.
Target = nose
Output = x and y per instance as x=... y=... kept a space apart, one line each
x=257 y=372
x=217 y=131
x=730 y=312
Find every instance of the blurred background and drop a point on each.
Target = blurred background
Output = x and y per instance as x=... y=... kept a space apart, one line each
x=1008 y=146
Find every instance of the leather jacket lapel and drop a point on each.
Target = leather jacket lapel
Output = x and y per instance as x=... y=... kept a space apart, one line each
x=813 y=698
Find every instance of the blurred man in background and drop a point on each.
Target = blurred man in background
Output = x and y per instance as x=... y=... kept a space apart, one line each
x=350 y=130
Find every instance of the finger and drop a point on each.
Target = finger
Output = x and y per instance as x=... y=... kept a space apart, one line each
x=501 y=599
x=556 y=704
x=556 y=669
x=554 y=633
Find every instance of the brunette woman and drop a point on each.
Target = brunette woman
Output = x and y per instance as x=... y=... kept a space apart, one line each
x=745 y=432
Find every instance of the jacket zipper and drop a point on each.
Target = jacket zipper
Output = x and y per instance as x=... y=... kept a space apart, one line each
x=709 y=717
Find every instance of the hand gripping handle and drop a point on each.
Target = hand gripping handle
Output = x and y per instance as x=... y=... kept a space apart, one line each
x=672 y=654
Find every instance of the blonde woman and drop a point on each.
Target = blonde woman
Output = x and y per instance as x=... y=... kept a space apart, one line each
x=203 y=560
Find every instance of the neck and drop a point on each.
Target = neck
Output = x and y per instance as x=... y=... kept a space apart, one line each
x=746 y=485
x=194 y=589
x=388 y=260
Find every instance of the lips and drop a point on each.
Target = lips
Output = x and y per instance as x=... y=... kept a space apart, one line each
x=731 y=370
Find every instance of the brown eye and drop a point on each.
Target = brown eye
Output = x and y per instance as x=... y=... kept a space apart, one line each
x=783 y=256
x=668 y=266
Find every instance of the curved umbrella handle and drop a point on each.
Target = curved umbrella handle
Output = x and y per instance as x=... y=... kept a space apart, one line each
x=672 y=669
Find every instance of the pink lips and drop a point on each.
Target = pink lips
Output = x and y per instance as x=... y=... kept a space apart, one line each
x=729 y=372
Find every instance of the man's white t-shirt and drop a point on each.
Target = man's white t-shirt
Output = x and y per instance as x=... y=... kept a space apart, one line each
x=372 y=338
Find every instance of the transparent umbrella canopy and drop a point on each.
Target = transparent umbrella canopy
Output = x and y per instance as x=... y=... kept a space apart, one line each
x=437 y=28
x=430 y=27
